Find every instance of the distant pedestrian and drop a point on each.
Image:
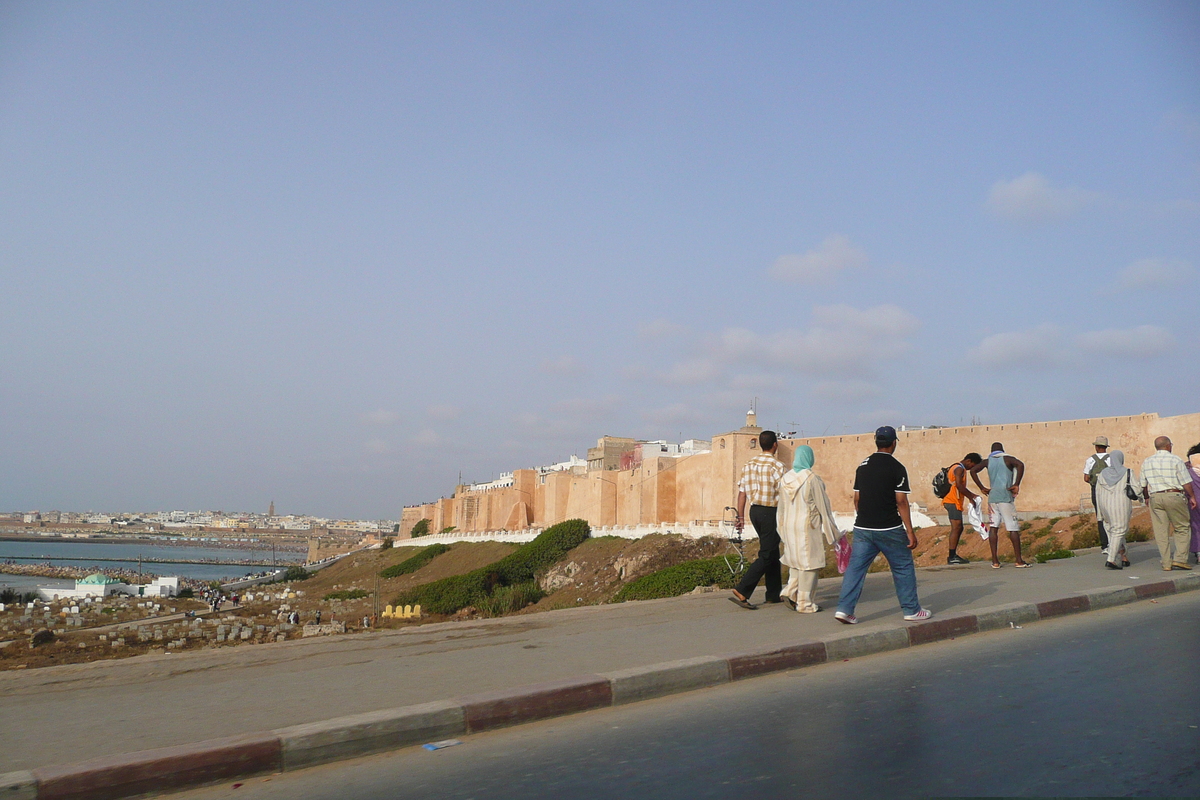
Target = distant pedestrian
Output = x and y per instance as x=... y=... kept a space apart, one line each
x=759 y=484
x=1004 y=475
x=953 y=502
x=1096 y=463
x=882 y=524
x=1114 y=507
x=1193 y=465
x=805 y=526
x=1167 y=487
x=317 y=617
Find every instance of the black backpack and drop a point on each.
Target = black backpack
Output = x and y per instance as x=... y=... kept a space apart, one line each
x=941 y=482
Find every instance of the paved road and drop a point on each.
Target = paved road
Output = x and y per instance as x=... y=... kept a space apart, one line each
x=1106 y=703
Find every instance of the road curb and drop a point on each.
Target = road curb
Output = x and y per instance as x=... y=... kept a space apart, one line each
x=299 y=746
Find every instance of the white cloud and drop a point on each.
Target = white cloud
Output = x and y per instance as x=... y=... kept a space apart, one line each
x=380 y=417
x=377 y=446
x=1154 y=273
x=835 y=255
x=693 y=371
x=1145 y=340
x=1032 y=348
x=1032 y=198
x=443 y=413
x=663 y=329
x=1046 y=346
x=428 y=438
x=564 y=365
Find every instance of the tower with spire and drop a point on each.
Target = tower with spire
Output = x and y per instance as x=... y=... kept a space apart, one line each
x=271 y=510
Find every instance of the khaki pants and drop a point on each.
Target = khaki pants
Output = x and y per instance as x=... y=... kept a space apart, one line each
x=1170 y=516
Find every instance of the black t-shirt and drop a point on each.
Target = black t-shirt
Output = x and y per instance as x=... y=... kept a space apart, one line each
x=877 y=480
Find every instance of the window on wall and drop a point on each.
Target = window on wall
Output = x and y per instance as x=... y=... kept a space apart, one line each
x=753 y=443
x=722 y=444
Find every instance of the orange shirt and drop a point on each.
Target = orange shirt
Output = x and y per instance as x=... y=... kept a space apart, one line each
x=955 y=498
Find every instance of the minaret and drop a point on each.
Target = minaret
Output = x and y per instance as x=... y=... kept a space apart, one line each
x=271 y=510
x=751 y=419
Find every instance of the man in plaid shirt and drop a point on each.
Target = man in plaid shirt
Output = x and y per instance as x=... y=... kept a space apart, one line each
x=760 y=483
x=1167 y=488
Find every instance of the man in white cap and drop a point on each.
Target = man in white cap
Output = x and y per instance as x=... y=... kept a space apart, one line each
x=1097 y=463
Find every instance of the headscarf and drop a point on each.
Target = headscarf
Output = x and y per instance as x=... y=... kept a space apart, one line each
x=1116 y=468
x=804 y=458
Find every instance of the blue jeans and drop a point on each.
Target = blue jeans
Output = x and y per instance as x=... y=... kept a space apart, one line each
x=894 y=546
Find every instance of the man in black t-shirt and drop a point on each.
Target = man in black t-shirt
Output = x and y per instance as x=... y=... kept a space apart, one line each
x=882 y=524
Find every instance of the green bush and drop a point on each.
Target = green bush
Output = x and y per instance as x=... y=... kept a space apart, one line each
x=296 y=573
x=448 y=595
x=678 y=579
x=1083 y=520
x=388 y=543
x=42 y=637
x=506 y=599
x=1053 y=555
x=448 y=529
x=347 y=594
x=186 y=592
x=414 y=563
x=420 y=529
x=1138 y=534
x=1085 y=536
x=1053 y=521
x=9 y=596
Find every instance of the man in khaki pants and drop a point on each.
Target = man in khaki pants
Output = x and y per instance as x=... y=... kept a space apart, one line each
x=1167 y=488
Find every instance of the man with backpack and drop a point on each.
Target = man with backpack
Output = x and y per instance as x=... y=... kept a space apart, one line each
x=1097 y=463
x=951 y=485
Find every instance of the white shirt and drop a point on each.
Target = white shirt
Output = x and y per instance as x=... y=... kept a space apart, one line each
x=1087 y=467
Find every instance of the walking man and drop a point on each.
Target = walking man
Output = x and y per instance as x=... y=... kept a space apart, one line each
x=1097 y=463
x=1005 y=474
x=882 y=524
x=760 y=484
x=1167 y=487
x=953 y=502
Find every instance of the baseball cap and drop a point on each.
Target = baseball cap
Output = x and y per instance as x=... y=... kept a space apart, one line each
x=885 y=432
x=1101 y=441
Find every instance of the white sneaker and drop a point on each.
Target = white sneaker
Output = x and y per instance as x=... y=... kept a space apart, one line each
x=923 y=614
x=848 y=619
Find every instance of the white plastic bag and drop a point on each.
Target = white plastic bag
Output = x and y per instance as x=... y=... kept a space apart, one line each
x=973 y=512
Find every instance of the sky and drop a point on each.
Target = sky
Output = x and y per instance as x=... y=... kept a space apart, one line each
x=336 y=255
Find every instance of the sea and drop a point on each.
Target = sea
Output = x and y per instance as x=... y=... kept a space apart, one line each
x=77 y=553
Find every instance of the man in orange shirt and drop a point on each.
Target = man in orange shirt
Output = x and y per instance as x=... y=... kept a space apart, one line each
x=953 y=502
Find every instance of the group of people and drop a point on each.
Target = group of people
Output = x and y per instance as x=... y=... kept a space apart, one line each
x=792 y=510
x=792 y=515
x=1169 y=486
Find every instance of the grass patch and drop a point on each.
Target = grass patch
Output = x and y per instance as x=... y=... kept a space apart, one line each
x=347 y=594
x=1086 y=535
x=506 y=599
x=1026 y=525
x=414 y=563
x=1053 y=521
x=1053 y=555
x=448 y=595
x=1083 y=520
x=1138 y=534
x=678 y=579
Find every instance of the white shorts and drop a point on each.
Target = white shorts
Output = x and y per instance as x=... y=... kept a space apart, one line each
x=1006 y=512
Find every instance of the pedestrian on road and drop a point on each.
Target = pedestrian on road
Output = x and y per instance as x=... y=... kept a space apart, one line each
x=1167 y=487
x=1096 y=463
x=882 y=524
x=1005 y=474
x=806 y=525
x=1114 y=507
x=953 y=502
x=760 y=484
x=1193 y=466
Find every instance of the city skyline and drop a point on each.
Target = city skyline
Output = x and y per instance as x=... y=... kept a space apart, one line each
x=338 y=256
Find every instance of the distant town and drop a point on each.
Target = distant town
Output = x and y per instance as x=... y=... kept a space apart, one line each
x=216 y=521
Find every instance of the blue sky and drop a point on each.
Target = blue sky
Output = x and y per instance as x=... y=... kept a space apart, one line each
x=334 y=254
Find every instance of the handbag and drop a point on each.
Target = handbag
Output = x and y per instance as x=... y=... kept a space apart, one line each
x=1130 y=492
x=842 y=549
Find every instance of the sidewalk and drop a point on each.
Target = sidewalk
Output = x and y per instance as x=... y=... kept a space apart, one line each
x=62 y=715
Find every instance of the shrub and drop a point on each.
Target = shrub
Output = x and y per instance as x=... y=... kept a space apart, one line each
x=1138 y=534
x=1053 y=521
x=448 y=529
x=42 y=637
x=1053 y=555
x=1085 y=536
x=506 y=599
x=678 y=579
x=388 y=543
x=1083 y=520
x=420 y=529
x=186 y=593
x=9 y=596
x=414 y=563
x=448 y=595
x=296 y=573
x=1026 y=525
x=347 y=594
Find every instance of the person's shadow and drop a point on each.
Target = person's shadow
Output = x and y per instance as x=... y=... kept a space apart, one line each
x=946 y=600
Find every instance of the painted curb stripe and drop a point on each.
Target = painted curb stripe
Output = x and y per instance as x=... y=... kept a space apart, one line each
x=747 y=665
x=1063 y=606
x=1157 y=589
x=944 y=628
x=489 y=710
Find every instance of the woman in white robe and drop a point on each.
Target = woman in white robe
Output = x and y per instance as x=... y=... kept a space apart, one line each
x=805 y=526
x=1114 y=507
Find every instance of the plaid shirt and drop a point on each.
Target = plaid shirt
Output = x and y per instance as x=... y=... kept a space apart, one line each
x=1163 y=471
x=760 y=480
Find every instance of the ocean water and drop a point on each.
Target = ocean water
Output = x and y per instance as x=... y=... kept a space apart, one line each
x=88 y=554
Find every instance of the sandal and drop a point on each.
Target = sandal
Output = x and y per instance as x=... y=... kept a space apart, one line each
x=995 y=566
x=1026 y=565
x=743 y=602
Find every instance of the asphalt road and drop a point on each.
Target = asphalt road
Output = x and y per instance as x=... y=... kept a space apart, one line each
x=1106 y=703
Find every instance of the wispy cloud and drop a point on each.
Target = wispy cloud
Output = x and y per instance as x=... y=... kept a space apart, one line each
x=835 y=255
x=1031 y=198
x=380 y=416
x=564 y=365
x=1049 y=347
x=443 y=413
x=1144 y=340
x=1155 y=273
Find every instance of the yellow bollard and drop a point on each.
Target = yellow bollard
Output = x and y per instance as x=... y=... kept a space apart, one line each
x=416 y=611
x=407 y=612
x=387 y=612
